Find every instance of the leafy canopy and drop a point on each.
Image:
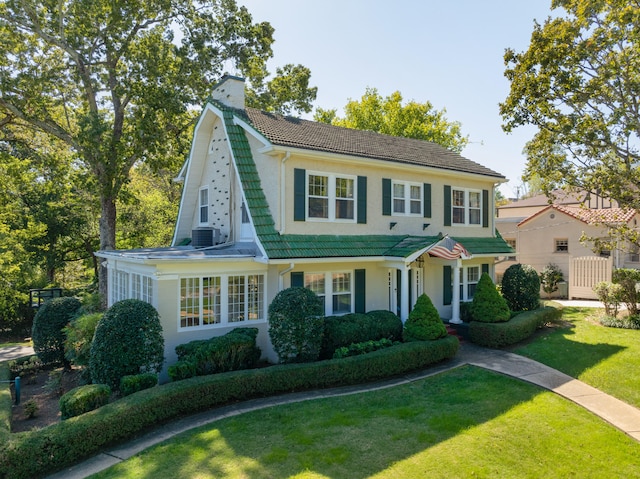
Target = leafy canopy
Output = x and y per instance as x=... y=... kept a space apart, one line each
x=578 y=83
x=390 y=117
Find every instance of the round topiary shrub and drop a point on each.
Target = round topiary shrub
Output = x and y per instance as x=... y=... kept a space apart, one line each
x=48 y=334
x=424 y=322
x=488 y=306
x=296 y=325
x=521 y=287
x=128 y=341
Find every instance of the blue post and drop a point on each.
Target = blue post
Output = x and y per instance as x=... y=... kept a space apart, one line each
x=17 y=383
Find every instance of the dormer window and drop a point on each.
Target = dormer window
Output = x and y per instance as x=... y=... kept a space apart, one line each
x=203 y=206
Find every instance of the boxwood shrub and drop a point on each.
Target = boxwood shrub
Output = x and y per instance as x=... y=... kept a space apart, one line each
x=342 y=331
x=497 y=335
x=137 y=382
x=84 y=399
x=48 y=328
x=41 y=452
x=235 y=350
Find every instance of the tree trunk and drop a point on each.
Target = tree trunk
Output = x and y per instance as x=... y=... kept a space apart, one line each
x=107 y=241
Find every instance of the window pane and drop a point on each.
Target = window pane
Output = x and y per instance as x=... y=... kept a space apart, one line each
x=474 y=199
x=255 y=296
x=344 y=198
x=341 y=282
x=318 y=185
x=189 y=302
x=458 y=215
x=341 y=303
x=398 y=206
x=318 y=208
x=398 y=198
x=474 y=217
x=341 y=300
x=416 y=208
x=236 y=297
x=415 y=193
x=458 y=198
x=344 y=188
x=473 y=274
x=204 y=205
x=211 y=300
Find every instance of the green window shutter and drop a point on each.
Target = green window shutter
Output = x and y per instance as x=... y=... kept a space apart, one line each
x=485 y=208
x=446 y=285
x=360 y=292
x=299 y=194
x=426 y=193
x=386 y=196
x=447 y=206
x=485 y=268
x=362 y=199
x=297 y=279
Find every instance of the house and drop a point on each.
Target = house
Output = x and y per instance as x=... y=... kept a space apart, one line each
x=544 y=233
x=366 y=221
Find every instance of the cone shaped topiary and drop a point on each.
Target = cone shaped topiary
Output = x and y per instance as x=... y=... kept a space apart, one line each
x=488 y=305
x=424 y=322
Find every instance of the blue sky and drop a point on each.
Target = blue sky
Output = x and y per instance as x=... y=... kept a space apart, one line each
x=449 y=53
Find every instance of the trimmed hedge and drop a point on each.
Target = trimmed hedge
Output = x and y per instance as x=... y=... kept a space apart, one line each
x=235 y=350
x=363 y=348
x=342 y=331
x=497 y=335
x=84 y=399
x=41 y=452
x=137 y=382
x=5 y=401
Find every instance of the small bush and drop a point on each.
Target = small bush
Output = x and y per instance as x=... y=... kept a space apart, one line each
x=84 y=399
x=128 y=340
x=362 y=348
x=296 y=325
x=78 y=336
x=137 y=382
x=31 y=408
x=498 y=335
x=521 y=287
x=628 y=279
x=610 y=294
x=424 y=322
x=48 y=329
x=488 y=306
x=630 y=322
x=341 y=331
x=550 y=276
x=235 y=350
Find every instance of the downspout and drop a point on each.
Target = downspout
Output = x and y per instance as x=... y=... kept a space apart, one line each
x=281 y=276
x=282 y=192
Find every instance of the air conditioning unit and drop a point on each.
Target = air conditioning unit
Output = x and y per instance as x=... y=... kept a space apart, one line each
x=205 y=237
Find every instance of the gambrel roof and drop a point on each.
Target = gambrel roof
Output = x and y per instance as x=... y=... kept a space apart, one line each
x=297 y=133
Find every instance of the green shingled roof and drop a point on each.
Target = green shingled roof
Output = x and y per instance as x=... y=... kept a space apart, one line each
x=290 y=246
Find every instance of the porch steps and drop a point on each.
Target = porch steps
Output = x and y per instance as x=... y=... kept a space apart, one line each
x=453 y=332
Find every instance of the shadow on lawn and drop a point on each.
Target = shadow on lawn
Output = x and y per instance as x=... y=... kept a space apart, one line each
x=352 y=436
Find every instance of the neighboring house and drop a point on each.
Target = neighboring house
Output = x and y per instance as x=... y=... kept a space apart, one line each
x=366 y=221
x=543 y=234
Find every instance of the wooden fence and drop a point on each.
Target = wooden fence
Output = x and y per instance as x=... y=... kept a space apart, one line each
x=585 y=272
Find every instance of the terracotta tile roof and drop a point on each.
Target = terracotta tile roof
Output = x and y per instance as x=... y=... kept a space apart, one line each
x=295 y=132
x=595 y=216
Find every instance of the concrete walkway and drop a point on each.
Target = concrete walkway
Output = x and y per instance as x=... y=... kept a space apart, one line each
x=12 y=352
x=617 y=413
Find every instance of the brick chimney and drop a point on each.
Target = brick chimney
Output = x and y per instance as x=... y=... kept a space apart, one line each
x=229 y=91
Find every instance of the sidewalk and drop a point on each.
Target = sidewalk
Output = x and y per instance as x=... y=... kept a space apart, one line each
x=13 y=352
x=617 y=413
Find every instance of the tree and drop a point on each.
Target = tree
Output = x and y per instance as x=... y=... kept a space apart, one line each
x=390 y=117
x=488 y=306
x=423 y=323
x=578 y=83
x=114 y=80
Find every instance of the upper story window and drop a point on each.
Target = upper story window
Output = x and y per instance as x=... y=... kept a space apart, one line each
x=330 y=197
x=203 y=206
x=562 y=245
x=466 y=206
x=407 y=198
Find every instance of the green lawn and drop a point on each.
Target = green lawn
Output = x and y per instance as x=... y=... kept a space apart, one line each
x=606 y=358
x=464 y=423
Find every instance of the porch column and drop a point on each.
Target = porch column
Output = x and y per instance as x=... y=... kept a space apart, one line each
x=404 y=293
x=455 y=297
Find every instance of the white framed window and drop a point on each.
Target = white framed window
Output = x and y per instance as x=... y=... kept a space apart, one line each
x=407 y=198
x=120 y=286
x=469 y=277
x=561 y=245
x=203 y=206
x=334 y=288
x=466 y=206
x=213 y=300
x=330 y=197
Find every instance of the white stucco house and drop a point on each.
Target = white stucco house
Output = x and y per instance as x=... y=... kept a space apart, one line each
x=365 y=220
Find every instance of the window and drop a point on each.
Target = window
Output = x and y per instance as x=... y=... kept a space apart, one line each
x=335 y=289
x=120 y=286
x=330 y=197
x=469 y=277
x=466 y=207
x=203 y=206
x=212 y=300
x=562 y=245
x=511 y=242
x=130 y=286
x=633 y=255
x=407 y=198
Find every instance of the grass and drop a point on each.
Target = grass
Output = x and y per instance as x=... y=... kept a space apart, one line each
x=605 y=358
x=467 y=422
